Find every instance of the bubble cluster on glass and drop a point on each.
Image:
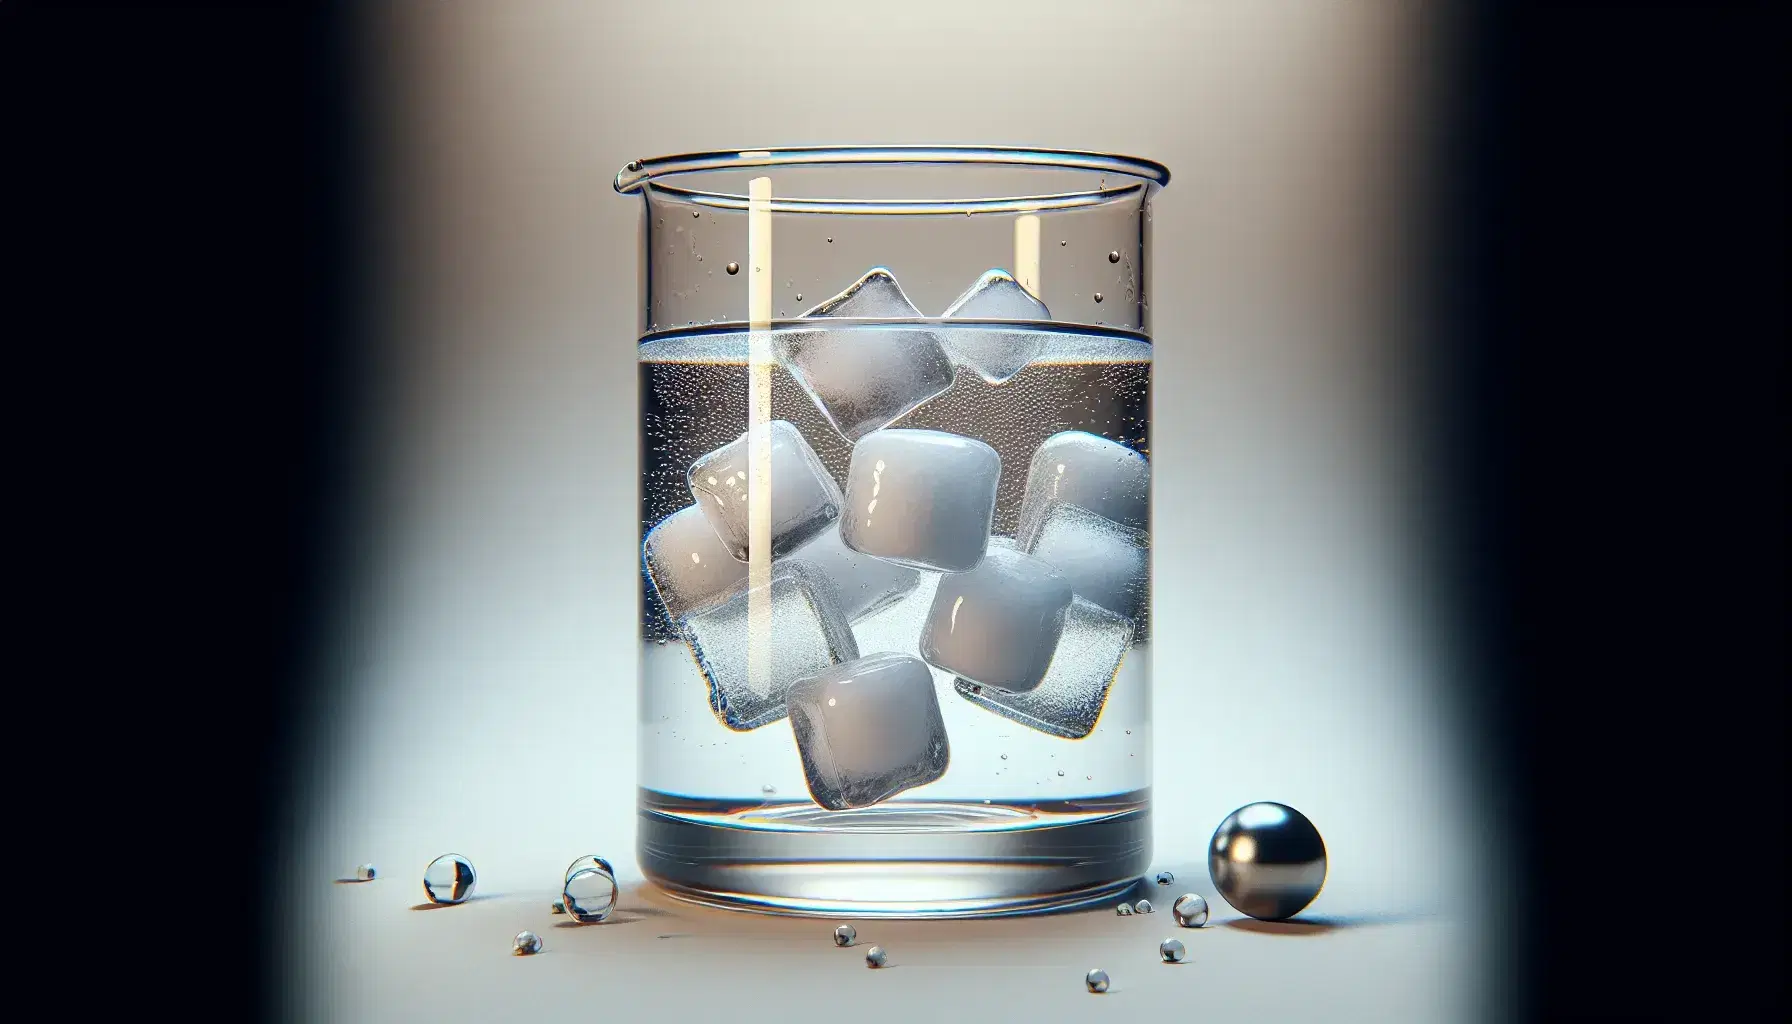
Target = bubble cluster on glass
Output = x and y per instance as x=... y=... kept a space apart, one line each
x=1190 y=910
x=527 y=944
x=1172 y=951
x=1097 y=980
x=875 y=957
x=844 y=935
x=449 y=879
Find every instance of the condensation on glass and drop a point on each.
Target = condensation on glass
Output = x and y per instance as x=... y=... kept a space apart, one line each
x=895 y=455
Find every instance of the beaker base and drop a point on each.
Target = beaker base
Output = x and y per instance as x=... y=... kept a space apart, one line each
x=902 y=859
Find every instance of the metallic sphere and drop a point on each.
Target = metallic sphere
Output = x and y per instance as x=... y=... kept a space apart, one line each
x=1267 y=860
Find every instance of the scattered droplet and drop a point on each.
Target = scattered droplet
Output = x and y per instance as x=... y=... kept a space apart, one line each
x=1143 y=907
x=1172 y=951
x=590 y=860
x=799 y=296
x=1114 y=257
x=700 y=260
x=733 y=268
x=590 y=895
x=830 y=238
x=844 y=935
x=1097 y=980
x=1190 y=910
x=874 y=957
x=1063 y=241
x=1124 y=910
x=1166 y=877
x=449 y=879
x=768 y=789
x=557 y=907
x=1004 y=757
x=1060 y=773
x=661 y=641
x=527 y=943
x=1097 y=296
x=695 y=214
x=365 y=872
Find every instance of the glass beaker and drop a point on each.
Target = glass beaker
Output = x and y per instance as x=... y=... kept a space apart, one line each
x=895 y=514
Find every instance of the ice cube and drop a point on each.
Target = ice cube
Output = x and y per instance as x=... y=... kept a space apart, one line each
x=996 y=355
x=868 y=730
x=807 y=634
x=863 y=379
x=1104 y=561
x=865 y=585
x=921 y=498
x=805 y=499
x=1069 y=700
x=998 y=624
x=1088 y=471
x=688 y=564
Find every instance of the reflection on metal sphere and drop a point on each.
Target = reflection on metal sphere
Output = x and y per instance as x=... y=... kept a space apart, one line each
x=1267 y=860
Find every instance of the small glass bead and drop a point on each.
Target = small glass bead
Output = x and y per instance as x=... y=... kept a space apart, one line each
x=449 y=879
x=1190 y=910
x=1097 y=980
x=1172 y=951
x=527 y=943
x=590 y=895
x=874 y=957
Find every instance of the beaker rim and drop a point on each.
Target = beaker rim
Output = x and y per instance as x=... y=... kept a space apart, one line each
x=637 y=173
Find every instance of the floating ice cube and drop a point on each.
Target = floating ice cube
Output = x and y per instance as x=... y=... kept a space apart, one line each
x=865 y=585
x=1089 y=471
x=921 y=498
x=998 y=624
x=690 y=566
x=1106 y=562
x=868 y=730
x=807 y=633
x=996 y=355
x=863 y=379
x=805 y=499
x=1069 y=700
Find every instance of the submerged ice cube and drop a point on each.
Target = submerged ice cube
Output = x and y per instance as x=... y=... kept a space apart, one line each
x=1105 y=561
x=1068 y=701
x=863 y=379
x=689 y=565
x=868 y=730
x=998 y=624
x=805 y=500
x=921 y=498
x=1088 y=471
x=864 y=585
x=807 y=633
x=996 y=355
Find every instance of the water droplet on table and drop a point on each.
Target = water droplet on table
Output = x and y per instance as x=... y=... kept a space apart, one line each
x=449 y=879
x=527 y=944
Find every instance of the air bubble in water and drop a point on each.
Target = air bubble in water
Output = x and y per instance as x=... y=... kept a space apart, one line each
x=1190 y=910
x=875 y=957
x=733 y=268
x=1097 y=980
x=1172 y=951
x=527 y=943
x=1114 y=257
x=449 y=879
x=844 y=935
